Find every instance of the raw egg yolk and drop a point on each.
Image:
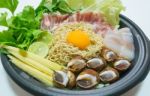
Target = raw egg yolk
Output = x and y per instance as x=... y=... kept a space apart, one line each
x=78 y=38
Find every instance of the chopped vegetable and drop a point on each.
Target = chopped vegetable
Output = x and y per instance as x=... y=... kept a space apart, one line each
x=45 y=37
x=9 y=4
x=39 y=48
x=46 y=79
x=100 y=86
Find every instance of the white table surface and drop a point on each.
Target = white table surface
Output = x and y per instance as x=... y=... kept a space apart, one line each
x=136 y=10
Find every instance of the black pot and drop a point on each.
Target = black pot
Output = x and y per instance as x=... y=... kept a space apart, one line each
x=136 y=74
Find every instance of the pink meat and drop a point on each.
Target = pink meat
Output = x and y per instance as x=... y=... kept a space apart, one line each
x=49 y=21
x=96 y=19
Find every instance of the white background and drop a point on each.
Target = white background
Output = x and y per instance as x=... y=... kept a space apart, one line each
x=136 y=10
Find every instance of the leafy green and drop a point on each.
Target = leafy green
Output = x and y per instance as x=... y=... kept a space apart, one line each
x=52 y=6
x=26 y=19
x=28 y=13
x=3 y=21
x=9 y=4
x=6 y=37
x=80 y=4
x=42 y=8
x=63 y=7
x=111 y=10
x=23 y=30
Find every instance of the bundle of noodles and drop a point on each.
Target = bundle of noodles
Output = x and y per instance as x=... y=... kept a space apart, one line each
x=62 y=52
x=60 y=25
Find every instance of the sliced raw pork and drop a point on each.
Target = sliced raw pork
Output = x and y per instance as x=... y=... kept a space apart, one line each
x=96 y=19
x=121 y=42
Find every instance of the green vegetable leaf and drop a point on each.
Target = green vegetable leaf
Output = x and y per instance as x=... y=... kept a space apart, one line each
x=80 y=4
x=111 y=10
x=37 y=33
x=3 y=21
x=52 y=6
x=43 y=7
x=29 y=38
x=9 y=4
x=64 y=7
x=54 y=2
x=24 y=29
x=28 y=13
x=25 y=19
x=6 y=37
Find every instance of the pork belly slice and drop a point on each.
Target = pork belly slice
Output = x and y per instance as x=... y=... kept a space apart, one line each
x=49 y=21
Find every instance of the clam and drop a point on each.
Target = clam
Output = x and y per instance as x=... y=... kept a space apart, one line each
x=122 y=65
x=60 y=79
x=76 y=65
x=96 y=63
x=109 y=75
x=72 y=79
x=87 y=79
x=109 y=55
x=63 y=79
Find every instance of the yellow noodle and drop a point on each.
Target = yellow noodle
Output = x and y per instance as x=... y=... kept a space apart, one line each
x=62 y=52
